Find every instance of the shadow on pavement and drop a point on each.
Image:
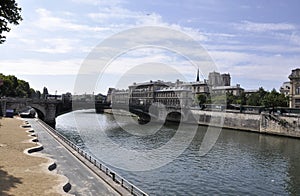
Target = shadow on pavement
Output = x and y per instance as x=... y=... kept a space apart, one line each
x=7 y=182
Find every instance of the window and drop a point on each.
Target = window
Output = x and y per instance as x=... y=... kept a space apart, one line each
x=297 y=91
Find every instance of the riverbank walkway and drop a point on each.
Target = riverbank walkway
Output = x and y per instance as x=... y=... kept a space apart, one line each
x=83 y=180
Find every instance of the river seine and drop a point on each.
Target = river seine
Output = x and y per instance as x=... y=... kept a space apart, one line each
x=240 y=163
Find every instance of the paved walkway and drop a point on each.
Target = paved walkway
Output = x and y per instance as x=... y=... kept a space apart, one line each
x=83 y=180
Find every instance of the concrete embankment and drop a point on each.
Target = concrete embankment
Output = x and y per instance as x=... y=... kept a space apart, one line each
x=261 y=123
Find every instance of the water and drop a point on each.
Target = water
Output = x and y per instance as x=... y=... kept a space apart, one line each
x=240 y=163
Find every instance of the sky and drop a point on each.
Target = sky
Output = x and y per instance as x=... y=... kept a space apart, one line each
x=256 y=41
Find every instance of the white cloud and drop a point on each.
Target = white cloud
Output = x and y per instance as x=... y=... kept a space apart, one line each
x=57 y=46
x=295 y=38
x=98 y=2
x=254 y=66
x=123 y=17
x=49 y=22
x=40 y=67
x=126 y=19
x=264 y=27
x=92 y=2
x=250 y=48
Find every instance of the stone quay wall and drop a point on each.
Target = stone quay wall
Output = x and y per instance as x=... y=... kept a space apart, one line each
x=261 y=123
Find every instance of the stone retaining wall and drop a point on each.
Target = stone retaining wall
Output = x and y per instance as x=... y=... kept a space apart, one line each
x=250 y=122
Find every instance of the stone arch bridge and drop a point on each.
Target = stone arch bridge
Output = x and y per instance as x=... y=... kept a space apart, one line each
x=166 y=113
x=46 y=109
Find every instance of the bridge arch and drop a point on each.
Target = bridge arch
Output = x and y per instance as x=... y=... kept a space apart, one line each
x=175 y=116
x=39 y=112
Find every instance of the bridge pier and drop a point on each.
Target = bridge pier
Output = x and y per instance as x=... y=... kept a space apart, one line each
x=50 y=114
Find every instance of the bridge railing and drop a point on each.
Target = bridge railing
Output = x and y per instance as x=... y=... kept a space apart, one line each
x=132 y=189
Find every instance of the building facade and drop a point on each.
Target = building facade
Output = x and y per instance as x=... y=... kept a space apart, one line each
x=119 y=97
x=177 y=97
x=295 y=88
x=215 y=79
x=142 y=95
x=226 y=79
x=285 y=88
x=234 y=90
x=177 y=94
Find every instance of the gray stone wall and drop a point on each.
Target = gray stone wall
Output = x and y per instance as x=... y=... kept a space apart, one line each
x=249 y=122
x=283 y=125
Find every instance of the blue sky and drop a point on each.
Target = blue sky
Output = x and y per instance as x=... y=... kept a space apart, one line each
x=257 y=42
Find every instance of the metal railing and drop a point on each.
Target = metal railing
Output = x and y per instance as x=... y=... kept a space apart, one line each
x=132 y=189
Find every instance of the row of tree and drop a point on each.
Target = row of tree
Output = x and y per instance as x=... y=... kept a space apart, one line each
x=260 y=98
x=11 y=86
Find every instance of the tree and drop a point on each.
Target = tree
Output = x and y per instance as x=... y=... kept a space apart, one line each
x=45 y=93
x=269 y=99
x=13 y=87
x=219 y=99
x=9 y=14
x=241 y=99
x=38 y=94
x=201 y=99
x=275 y=99
x=256 y=99
x=282 y=100
x=230 y=98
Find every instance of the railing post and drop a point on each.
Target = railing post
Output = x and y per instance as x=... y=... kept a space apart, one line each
x=131 y=191
x=113 y=175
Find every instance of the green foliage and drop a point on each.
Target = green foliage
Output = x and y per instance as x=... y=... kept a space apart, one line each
x=201 y=99
x=9 y=14
x=13 y=87
x=267 y=99
x=256 y=99
x=229 y=98
x=219 y=99
x=275 y=99
x=259 y=98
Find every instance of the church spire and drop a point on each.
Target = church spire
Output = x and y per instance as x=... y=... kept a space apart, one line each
x=197 y=80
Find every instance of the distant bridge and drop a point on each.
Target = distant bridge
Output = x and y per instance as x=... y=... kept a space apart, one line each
x=157 y=113
x=47 y=109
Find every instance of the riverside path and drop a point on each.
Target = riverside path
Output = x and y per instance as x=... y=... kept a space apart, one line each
x=82 y=179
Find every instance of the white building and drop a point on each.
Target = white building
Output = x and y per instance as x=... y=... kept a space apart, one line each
x=285 y=88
